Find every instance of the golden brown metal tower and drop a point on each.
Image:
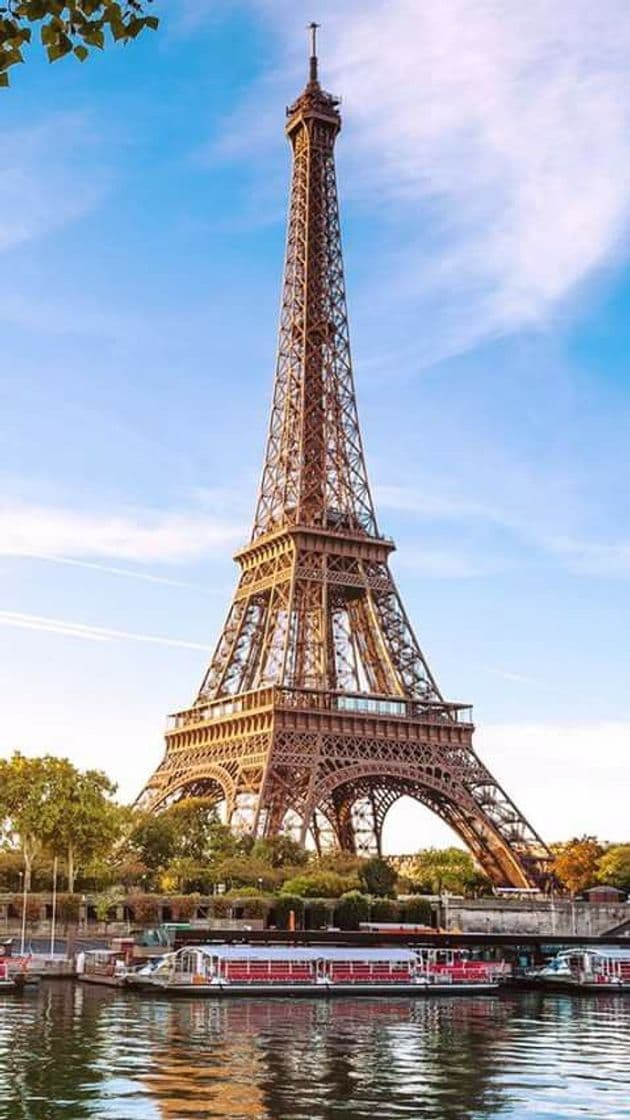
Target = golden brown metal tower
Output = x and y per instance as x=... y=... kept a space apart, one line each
x=318 y=710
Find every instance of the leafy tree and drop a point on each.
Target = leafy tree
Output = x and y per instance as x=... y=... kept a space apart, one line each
x=577 y=863
x=68 y=27
x=343 y=863
x=196 y=827
x=614 y=867
x=151 y=841
x=280 y=851
x=442 y=869
x=320 y=884
x=377 y=877
x=26 y=807
x=244 y=871
x=84 y=821
x=352 y=909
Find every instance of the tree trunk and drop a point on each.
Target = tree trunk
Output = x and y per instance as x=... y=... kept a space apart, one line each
x=71 y=871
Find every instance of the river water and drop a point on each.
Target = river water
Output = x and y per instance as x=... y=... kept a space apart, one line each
x=71 y=1051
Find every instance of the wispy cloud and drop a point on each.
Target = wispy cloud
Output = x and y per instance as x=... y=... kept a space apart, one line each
x=493 y=138
x=90 y=633
x=45 y=178
x=597 y=558
x=139 y=535
x=127 y=573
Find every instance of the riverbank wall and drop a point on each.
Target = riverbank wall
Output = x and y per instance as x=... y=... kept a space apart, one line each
x=555 y=917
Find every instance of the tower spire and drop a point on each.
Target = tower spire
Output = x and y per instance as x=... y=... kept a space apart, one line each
x=313 y=28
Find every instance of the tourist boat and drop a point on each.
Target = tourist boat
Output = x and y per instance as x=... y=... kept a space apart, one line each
x=13 y=976
x=600 y=968
x=457 y=970
x=102 y=966
x=311 y=970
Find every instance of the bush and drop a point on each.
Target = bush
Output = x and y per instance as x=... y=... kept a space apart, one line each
x=145 y=908
x=221 y=907
x=68 y=907
x=33 y=906
x=385 y=910
x=378 y=877
x=251 y=906
x=320 y=884
x=184 y=907
x=282 y=907
x=352 y=909
x=417 y=911
x=318 y=913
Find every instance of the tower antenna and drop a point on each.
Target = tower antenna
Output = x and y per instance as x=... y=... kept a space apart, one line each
x=313 y=28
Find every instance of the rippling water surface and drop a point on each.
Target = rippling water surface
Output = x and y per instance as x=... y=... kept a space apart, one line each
x=73 y=1051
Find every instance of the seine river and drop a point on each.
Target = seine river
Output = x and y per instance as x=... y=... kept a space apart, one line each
x=70 y=1052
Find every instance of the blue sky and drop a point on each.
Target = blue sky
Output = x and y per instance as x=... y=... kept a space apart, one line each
x=484 y=167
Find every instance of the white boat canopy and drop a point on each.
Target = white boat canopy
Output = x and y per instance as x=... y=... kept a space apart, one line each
x=301 y=953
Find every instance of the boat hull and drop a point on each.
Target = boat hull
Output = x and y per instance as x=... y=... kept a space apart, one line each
x=326 y=991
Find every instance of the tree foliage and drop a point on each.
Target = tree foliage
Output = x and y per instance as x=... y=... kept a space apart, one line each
x=68 y=27
x=443 y=869
x=614 y=867
x=320 y=884
x=377 y=877
x=352 y=909
x=576 y=864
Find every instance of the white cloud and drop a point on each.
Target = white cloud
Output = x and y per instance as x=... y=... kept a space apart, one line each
x=566 y=780
x=67 y=629
x=596 y=558
x=143 y=535
x=46 y=179
x=493 y=137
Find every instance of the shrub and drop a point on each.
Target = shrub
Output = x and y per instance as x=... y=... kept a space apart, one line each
x=385 y=910
x=68 y=907
x=221 y=907
x=184 y=907
x=145 y=908
x=377 y=877
x=352 y=909
x=318 y=913
x=282 y=907
x=320 y=884
x=418 y=911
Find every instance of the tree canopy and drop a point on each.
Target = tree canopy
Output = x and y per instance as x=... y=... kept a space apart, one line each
x=576 y=863
x=48 y=805
x=445 y=869
x=70 y=27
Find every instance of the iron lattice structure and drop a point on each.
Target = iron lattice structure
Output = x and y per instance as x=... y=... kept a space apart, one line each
x=318 y=710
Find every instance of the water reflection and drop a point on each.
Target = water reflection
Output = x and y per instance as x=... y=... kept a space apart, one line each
x=75 y=1052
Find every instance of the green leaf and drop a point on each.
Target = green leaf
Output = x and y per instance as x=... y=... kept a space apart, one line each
x=81 y=53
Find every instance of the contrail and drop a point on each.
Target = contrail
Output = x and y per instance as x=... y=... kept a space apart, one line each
x=91 y=633
x=112 y=570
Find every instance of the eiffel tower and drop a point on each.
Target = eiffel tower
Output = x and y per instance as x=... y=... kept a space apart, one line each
x=318 y=710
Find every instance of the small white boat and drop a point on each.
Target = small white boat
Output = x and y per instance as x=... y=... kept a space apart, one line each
x=593 y=968
x=102 y=966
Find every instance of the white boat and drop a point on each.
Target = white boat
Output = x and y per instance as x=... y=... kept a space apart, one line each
x=217 y=970
x=593 y=968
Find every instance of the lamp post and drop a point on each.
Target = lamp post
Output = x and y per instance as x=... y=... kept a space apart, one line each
x=54 y=909
x=24 y=901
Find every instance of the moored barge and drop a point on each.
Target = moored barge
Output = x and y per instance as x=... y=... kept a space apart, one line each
x=233 y=970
